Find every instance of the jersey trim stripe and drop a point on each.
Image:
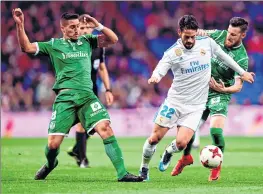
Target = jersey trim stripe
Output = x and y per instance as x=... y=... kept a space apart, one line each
x=52 y=41
x=220 y=35
x=171 y=47
x=242 y=59
x=37 y=51
x=201 y=37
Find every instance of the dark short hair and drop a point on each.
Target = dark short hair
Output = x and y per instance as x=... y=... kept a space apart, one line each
x=188 y=22
x=239 y=22
x=81 y=17
x=69 y=16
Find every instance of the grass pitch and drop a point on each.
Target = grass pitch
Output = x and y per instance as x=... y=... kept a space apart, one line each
x=242 y=171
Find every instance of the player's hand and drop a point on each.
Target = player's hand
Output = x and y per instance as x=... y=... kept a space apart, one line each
x=109 y=98
x=18 y=15
x=219 y=87
x=201 y=32
x=153 y=80
x=248 y=76
x=91 y=22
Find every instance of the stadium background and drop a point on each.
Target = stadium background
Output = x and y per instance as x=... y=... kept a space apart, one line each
x=145 y=30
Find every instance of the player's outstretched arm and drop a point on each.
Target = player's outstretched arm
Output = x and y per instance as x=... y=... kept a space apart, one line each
x=220 y=87
x=161 y=69
x=23 y=40
x=244 y=75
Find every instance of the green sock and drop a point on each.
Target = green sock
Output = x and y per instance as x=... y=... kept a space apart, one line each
x=51 y=155
x=218 y=138
x=188 y=148
x=114 y=153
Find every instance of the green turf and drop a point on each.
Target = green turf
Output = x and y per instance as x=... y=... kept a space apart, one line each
x=21 y=158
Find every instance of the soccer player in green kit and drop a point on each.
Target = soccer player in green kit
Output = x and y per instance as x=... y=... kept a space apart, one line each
x=224 y=82
x=75 y=99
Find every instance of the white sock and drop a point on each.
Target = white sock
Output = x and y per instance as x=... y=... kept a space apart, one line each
x=196 y=142
x=147 y=153
x=172 y=148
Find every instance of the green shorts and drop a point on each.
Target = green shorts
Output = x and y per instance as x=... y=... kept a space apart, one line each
x=73 y=106
x=218 y=105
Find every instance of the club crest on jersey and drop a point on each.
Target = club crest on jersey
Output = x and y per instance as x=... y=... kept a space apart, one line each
x=161 y=119
x=178 y=52
x=79 y=42
x=202 y=52
x=95 y=106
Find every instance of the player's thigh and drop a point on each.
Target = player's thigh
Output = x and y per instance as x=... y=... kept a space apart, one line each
x=187 y=125
x=64 y=115
x=184 y=135
x=91 y=113
x=79 y=128
x=205 y=114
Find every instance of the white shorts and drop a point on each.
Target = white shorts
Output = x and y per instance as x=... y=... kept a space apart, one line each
x=170 y=115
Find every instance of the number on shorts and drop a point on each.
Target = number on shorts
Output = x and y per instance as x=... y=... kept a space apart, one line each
x=168 y=114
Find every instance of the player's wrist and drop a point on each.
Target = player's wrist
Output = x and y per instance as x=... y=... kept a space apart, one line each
x=100 y=27
x=109 y=90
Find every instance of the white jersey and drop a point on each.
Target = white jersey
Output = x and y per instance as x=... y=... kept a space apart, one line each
x=192 y=70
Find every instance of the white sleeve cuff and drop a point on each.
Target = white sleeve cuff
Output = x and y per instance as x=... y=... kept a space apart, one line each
x=37 y=51
x=157 y=75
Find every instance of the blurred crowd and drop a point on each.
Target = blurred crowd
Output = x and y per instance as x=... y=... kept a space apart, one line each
x=145 y=29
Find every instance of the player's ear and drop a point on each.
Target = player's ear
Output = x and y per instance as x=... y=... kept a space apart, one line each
x=243 y=35
x=179 y=32
x=62 y=29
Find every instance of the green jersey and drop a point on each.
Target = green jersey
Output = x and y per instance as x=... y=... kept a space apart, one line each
x=71 y=61
x=219 y=69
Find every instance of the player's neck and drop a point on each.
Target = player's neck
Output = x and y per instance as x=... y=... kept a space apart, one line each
x=69 y=39
x=237 y=45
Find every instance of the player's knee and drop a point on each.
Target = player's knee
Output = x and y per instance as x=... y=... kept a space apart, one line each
x=154 y=139
x=104 y=129
x=181 y=144
x=53 y=145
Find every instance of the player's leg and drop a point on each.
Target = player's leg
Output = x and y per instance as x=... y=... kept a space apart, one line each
x=165 y=119
x=216 y=131
x=149 y=149
x=187 y=124
x=184 y=136
x=218 y=110
x=114 y=152
x=195 y=143
x=93 y=115
x=78 y=151
x=63 y=118
x=51 y=152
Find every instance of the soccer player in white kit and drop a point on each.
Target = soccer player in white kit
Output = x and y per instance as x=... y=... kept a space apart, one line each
x=189 y=59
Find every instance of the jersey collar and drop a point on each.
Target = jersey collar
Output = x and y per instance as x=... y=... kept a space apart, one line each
x=236 y=47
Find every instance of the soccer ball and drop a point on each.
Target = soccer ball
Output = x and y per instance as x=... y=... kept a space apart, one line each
x=211 y=156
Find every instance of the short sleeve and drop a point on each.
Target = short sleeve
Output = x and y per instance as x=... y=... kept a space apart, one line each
x=92 y=39
x=44 y=48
